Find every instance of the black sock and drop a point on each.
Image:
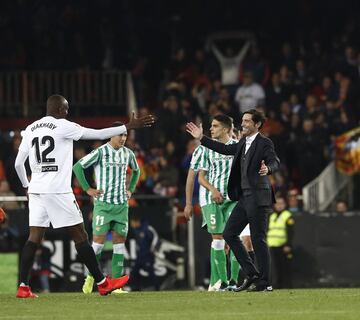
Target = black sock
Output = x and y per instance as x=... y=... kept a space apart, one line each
x=87 y=255
x=27 y=261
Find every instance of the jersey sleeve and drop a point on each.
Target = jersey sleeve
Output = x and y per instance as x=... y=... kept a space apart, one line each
x=24 y=145
x=90 y=159
x=204 y=161
x=196 y=158
x=133 y=162
x=71 y=130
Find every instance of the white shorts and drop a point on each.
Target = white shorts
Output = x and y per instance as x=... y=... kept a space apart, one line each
x=61 y=209
x=246 y=231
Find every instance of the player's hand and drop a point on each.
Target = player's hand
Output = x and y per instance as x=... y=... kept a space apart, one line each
x=194 y=130
x=188 y=211
x=136 y=123
x=94 y=192
x=216 y=196
x=129 y=194
x=264 y=170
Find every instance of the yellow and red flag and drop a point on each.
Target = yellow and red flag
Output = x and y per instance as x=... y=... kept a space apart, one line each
x=347 y=151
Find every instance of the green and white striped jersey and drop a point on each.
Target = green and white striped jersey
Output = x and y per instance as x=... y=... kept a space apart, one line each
x=195 y=165
x=110 y=167
x=218 y=168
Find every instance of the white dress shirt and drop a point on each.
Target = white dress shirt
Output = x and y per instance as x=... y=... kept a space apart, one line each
x=249 y=141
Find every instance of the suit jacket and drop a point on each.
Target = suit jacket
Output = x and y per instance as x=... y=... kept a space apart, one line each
x=262 y=148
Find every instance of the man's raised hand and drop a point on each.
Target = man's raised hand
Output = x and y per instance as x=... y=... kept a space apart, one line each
x=194 y=130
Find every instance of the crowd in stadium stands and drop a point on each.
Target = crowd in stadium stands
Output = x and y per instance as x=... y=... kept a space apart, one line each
x=308 y=89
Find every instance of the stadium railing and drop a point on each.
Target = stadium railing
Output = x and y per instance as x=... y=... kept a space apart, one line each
x=318 y=194
x=22 y=92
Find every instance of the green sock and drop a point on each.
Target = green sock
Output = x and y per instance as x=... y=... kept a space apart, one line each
x=235 y=267
x=117 y=264
x=98 y=257
x=220 y=262
x=214 y=276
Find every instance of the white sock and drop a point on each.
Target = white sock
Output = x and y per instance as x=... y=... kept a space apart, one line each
x=119 y=248
x=218 y=244
x=97 y=247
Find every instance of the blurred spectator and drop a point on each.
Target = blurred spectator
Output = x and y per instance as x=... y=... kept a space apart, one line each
x=2 y=171
x=15 y=184
x=309 y=153
x=167 y=178
x=341 y=207
x=8 y=237
x=275 y=94
x=293 y=201
x=6 y=192
x=250 y=94
x=230 y=62
x=41 y=268
x=280 y=236
x=255 y=63
x=147 y=241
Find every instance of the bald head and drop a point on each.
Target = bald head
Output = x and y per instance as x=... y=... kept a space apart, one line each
x=57 y=106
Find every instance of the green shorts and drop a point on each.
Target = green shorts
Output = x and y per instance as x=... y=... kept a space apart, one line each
x=108 y=217
x=216 y=215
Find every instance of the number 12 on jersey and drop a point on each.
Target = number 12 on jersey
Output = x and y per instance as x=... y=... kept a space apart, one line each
x=41 y=157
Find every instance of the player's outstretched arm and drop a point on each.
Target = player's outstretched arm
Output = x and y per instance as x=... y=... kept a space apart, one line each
x=136 y=123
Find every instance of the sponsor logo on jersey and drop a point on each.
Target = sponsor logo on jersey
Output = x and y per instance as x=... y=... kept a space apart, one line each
x=222 y=158
x=114 y=164
x=49 y=168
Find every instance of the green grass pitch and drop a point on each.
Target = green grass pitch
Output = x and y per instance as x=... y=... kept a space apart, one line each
x=299 y=304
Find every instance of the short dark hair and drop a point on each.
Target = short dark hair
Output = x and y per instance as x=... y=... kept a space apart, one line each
x=256 y=116
x=117 y=124
x=225 y=120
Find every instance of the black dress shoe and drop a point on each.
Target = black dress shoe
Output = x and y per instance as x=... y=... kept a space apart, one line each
x=257 y=288
x=246 y=284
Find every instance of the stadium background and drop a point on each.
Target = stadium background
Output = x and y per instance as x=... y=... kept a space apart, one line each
x=110 y=57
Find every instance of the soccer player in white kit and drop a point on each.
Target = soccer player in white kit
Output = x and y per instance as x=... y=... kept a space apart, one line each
x=48 y=143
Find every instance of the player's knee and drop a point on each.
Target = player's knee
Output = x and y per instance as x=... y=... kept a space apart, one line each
x=119 y=239
x=78 y=235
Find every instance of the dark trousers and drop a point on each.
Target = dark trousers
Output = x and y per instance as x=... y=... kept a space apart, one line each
x=246 y=211
x=282 y=267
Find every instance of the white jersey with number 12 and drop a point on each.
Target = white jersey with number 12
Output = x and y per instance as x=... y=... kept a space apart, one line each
x=49 y=145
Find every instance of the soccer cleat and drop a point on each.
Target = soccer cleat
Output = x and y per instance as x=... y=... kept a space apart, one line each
x=257 y=288
x=232 y=285
x=119 y=291
x=247 y=283
x=214 y=287
x=112 y=284
x=25 y=292
x=88 y=284
x=223 y=287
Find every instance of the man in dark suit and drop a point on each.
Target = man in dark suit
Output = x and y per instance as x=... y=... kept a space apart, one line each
x=254 y=160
